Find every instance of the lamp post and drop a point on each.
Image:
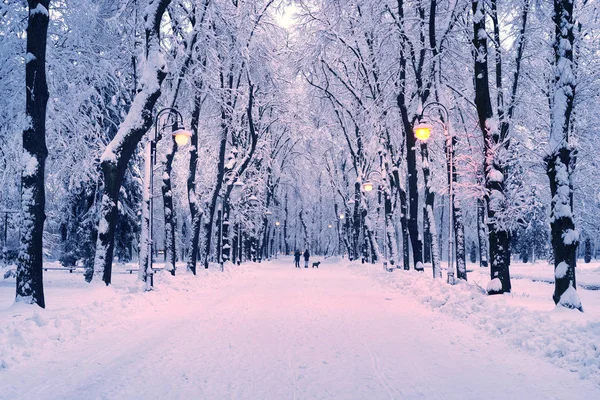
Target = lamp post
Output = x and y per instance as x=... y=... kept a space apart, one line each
x=167 y=117
x=367 y=186
x=422 y=132
x=277 y=241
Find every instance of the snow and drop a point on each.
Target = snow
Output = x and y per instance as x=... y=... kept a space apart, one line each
x=570 y=298
x=495 y=176
x=39 y=9
x=561 y=270
x=494 y=286
x=30 y=164
x=570 y=236
x=345 y=330
x=29 y=58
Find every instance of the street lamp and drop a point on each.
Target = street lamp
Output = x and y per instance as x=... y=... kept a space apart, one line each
x=422 y=132
x=367 y=186
x=277 y=223
x=167 y=117
x=342 y=216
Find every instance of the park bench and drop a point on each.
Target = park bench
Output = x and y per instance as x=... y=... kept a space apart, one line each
x=132 y=270
x=70 y=269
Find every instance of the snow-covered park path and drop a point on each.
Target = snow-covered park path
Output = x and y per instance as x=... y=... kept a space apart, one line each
x=271 y=331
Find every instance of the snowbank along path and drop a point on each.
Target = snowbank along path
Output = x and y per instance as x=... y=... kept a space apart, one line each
x=272 y=331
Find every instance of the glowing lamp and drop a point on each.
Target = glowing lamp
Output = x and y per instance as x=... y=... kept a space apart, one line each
x=342 y=216
x=277 y=223
x=423 y=131
x=367 y=186
x=182 y=136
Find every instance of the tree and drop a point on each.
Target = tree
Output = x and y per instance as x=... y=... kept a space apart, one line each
x=560 y=162
x=30 y=286
x=117 y=154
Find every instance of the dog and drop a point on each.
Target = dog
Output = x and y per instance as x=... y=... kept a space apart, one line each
x=316 y=264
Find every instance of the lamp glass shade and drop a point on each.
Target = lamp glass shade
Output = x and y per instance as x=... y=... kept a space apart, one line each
x=182 y=136
x=423 y=131
x=237 y=186
x=367 y=186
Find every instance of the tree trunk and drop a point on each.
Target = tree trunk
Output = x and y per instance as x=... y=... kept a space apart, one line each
x=560 y=163
x=390 y=231
x=459 y=235
x=285 y=228
x=356 y=219
x=208 y=226
x=138 y=121
x=482 y=234
x=499 y=237
x=169 y=212
x=459 y=227
x=145 y=250
x=195 y=210
x=30 y=284
x=413 y=194
x=404 y=224
x=429 y=226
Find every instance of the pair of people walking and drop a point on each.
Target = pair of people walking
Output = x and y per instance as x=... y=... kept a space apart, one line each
x=297 y=258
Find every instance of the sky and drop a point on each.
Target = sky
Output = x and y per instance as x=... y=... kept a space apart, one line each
x=285 y=18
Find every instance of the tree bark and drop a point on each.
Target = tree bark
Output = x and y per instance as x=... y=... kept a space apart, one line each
x=560 y=163
x=169 y=212
x=404 y=224
x=499 y=237
x=482 y=234
x=195 y=210
x=429 y=224
x=30 y=285
x=459 y=227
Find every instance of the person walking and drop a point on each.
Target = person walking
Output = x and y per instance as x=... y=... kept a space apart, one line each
x=306 y=257
x=297 y=258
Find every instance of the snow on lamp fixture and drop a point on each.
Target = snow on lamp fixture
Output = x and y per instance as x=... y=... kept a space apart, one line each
x=238 y=186
x=182 y=136
x=423 y=131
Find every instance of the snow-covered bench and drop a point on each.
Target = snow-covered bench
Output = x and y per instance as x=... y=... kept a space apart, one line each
x=70 y=269
x=132 y=270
